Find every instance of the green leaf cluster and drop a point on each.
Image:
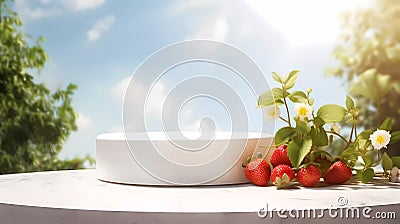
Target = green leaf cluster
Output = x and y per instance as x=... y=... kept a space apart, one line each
x=306 y=139
x=278 y=96
x=34 y=122
x=360 y=154
x=306 y=135
x=368 y=53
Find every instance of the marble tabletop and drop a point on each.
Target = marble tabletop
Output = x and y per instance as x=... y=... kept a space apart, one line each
x=79 y=197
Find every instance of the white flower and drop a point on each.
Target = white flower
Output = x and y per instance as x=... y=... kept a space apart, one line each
x=335 y=128
x=394 y=174
x=273 y=112
x=380 y=139
x=303 y=111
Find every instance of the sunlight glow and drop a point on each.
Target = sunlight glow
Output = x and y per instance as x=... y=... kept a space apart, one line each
x=305 y=22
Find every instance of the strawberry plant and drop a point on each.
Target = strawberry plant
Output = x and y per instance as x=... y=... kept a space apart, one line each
x=309 y=133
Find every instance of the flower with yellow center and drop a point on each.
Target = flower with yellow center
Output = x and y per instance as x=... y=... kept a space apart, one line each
x=303 y=111
x=380 y=139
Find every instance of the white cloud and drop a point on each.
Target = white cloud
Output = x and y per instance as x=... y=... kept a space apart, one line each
x=307 y=22
x=155 y=98
x=27 y=12
x=192 y=4
x=213 y=20
x=154 y=104
x=118 y=91
x=81 y=5
x=83 y=122
x=304 y=22
x=48 y=8
x=100 y=27
x=217 y=31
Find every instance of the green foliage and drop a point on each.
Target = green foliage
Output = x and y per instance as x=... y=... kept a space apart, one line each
x=308 y=139
x=387 y=124
x=396 y=161
x=369 y=59
x=298 y=97
x=387 y=162
x=34 y=123
x=284 y=134
x=371 y=85
x=297 y=151
x=395 y=137
x=349 y=103
x=331 y=113
x=366 y=175
x=319 y=136
x=307 y=133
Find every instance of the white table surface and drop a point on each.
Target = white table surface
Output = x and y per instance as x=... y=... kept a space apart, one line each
x=79 y=197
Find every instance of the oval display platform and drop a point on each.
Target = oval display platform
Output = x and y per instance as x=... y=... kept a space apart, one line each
x=79 y=197
x=170 y=159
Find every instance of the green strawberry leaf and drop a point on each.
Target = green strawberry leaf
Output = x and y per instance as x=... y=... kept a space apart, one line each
x=290 y=79
x=386 y=124
x=277 y=77
x=366 y=176
x=321 y=153
x=362 y=144
x=318 y=121
x=271 y=97
x=279 y=93
x=364 y=135
x=349 y=103
x=368 y=160
x=303 y=127
x=394 y=137
x=319 y=136
x=350 y=154
x=359 y=164
x=298 y=97
x=331 y=113
x=387 y=162
x=266 y=99
x=396 y=161
x=284 y=134
x=297 y=152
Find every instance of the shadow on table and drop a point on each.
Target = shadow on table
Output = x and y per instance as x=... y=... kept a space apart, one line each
x=355 y=184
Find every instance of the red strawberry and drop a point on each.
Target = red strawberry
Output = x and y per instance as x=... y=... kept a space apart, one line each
x=258 y=172
x=309 y=176
x=280 y=156
x=338 y=173
x=282 y=175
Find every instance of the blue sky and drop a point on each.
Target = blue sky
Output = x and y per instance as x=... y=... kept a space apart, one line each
x=98 y=44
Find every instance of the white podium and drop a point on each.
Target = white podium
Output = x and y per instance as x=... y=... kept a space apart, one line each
x=79 y=197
